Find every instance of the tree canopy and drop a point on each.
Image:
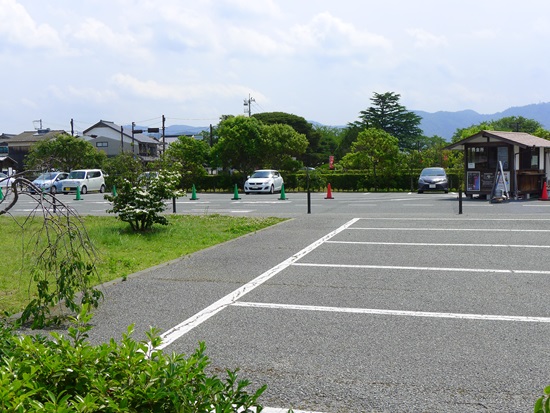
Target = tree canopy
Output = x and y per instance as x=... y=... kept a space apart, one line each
x=389 y=115
x=506 y=124
x=188 y=155
x=239 y=144
x=372 y=147
x=314 y=154
x=65 y=153
x=246 y=143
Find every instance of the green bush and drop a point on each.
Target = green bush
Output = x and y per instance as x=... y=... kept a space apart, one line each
x=400 y=180
x=67 y=374
x=542 y=405
x=142 y=204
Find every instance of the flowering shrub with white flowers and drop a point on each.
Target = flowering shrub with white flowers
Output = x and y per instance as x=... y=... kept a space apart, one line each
x=142 y=204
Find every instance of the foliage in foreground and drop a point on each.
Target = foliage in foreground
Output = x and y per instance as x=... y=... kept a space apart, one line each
x=542 y=404
x=59 y=254
x=67 y=374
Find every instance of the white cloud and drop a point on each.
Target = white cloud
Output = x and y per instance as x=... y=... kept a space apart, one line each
x=19 y=28
x=96 y=34
x=81 y=94
x=427 y=40
x=179 y=92
x=249 y=41
x=256 y=7
x=332 y=36
x=321 y=59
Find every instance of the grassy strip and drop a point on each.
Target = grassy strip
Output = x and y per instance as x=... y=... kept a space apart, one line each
x=121 y=252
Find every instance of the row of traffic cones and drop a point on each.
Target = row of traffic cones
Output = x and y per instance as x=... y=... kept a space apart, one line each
x=236 y=193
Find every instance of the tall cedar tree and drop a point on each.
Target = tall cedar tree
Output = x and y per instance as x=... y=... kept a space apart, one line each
x=390 y=116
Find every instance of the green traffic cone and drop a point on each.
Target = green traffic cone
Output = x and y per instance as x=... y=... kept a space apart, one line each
x=283 y=196
x=193 y=193
x=236 y=194
x=78 y=198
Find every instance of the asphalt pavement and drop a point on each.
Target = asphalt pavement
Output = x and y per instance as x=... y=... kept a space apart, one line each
x=367 y=302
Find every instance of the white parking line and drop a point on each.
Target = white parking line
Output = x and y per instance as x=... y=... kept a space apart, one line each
x=483 y=317
x=181 y=329
x=426 y=244
x=277 y=410
x=451 y=229
x=411 y=219
x=396 y=267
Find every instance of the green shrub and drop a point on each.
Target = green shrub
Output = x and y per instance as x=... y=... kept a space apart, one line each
x=542 y=404
x=142 y=204
x=67 y=374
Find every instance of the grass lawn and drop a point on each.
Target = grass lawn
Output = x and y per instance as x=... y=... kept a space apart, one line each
x=121 y=252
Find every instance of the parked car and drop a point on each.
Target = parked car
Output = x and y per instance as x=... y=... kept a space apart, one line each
x=433 y=179
x=5 y=180
x=264 y=181
x=47 y=181
x=85 y=179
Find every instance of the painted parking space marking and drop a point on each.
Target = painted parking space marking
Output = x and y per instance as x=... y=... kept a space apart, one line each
x=278 y=410
x=412 y=219
x=451 y=229
x=399 y=267
x=181 y=329
x=372 y=311
x=426 y=244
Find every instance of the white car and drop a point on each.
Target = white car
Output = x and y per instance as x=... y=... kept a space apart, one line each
x=5 y=180
x=264 y=181
x=85 y=179
x=47 y=181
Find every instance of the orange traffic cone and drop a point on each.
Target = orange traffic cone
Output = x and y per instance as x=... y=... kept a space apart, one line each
x=329 y=192
x=544 y=195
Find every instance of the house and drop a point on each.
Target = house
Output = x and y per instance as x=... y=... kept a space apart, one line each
x=525 y=162
x=113 y=139
x=19 y=145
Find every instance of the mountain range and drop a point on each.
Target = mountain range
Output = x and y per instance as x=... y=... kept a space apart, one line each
x=443 y=124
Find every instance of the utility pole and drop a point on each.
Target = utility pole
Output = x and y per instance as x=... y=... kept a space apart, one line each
x=72 y=127
x=133 y=132
x=248 y=105
x=121 y=139
x=163 y=135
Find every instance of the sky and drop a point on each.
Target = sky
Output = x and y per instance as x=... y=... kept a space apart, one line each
x=193 y=61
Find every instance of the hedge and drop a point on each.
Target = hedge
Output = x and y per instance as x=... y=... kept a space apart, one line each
x=339 y=181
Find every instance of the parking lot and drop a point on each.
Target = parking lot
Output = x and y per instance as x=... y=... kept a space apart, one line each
x=370 y=303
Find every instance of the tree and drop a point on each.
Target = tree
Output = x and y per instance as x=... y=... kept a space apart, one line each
x=281 y=143
x=190 y=155
x=463 y=133
x=390 y=116
x=60 y=254
x=374 y=149
x=506 y=124
x=124 y=166
x=239 y=145
x=64 y=152
x=516 y=124
x=349 y=135
x=331 y=140
x=313 y=155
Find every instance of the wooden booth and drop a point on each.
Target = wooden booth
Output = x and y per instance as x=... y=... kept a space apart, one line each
x=525 y=161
